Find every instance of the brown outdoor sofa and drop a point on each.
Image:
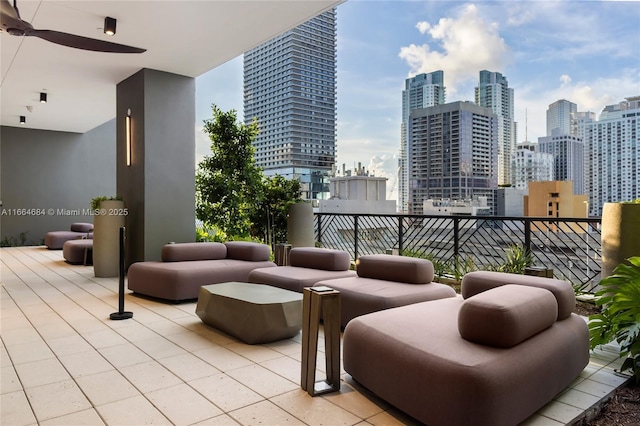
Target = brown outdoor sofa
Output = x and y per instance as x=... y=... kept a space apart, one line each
x=307 y=266
x=185 y=267
x=492 y=356
x=384 y=281
x=55 y=240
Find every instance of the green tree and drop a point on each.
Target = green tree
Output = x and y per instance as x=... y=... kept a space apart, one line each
x=228 y=182
x=270 y=215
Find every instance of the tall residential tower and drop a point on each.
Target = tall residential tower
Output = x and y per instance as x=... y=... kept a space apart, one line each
x=613 y=152
x=290 y=87
x=421 y=91
x=493 y=92
x=453 y=153
x=560 y=116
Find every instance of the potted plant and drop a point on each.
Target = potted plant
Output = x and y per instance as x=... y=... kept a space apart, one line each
x=620 y=230
x=108 y=217
x=619 y=319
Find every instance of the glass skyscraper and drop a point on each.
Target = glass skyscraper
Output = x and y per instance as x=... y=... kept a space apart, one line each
x=290 y=87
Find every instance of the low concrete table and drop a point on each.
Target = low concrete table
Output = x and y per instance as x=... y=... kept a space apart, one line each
x=254 y=313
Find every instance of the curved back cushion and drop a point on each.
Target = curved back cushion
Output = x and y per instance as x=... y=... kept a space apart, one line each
x=193 y=251
x=479 y=281
x=410 y=270
x=505 y=316
x=82 y=227
x=319 y=258
x=246 y=250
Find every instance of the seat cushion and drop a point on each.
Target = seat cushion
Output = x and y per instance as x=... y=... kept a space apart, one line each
x=246 y=250
x=410 y=270
x=319 y=258
x=360 y=296
x=507 y=315
x=82 y=227
x=294 y=278
x=479 y=281
x=182 y=280
x=182 y=252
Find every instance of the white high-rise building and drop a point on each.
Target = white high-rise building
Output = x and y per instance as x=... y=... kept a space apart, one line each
x=568 y=155
x=421 y=91
x=578 y=125
x=453 y=153
x=290 y=87
x=493 y=92
x=559 y=116
x=613 y=150
x=530 y=165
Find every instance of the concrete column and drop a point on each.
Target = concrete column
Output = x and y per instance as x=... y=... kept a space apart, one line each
x=300 y=225
x=158 y=187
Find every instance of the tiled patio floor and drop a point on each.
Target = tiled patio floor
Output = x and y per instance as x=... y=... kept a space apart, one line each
x=64 y=362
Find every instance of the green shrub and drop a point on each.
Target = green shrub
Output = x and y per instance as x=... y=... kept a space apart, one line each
x=517 y=260
x=619 y=319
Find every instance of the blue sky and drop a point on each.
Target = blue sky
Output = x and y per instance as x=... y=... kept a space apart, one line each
x=585 y=51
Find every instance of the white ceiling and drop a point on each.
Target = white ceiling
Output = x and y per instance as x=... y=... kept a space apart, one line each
x=182 y=37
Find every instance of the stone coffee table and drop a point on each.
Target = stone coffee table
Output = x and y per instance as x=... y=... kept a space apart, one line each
x=253 y=313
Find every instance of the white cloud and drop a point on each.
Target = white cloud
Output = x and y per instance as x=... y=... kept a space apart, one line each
x=565 y=79
x=467 y=44
x=423 y=26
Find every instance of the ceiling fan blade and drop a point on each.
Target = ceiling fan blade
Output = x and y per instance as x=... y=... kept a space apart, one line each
x=80 y=42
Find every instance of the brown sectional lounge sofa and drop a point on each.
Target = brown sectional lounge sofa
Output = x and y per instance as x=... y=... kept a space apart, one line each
x=307 y=266
x=385 y=281
x=185 y=267
x=55 y=240
x=493 y=356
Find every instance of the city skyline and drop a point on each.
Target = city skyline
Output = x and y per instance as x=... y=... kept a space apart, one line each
x=585 y=52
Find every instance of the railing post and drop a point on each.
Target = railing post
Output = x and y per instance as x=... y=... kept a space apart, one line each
x=527 y=237
x=456 y=235
x=319 y=229
x=400 y=236
x=355 y=237
x=456 y=247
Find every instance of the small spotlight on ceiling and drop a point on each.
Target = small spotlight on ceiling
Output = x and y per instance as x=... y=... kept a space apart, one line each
x=23 y=119
x=43 y=98
x=109 y=26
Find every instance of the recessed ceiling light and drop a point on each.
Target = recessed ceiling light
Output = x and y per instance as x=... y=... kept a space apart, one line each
x=43 y=98
x=23 y=119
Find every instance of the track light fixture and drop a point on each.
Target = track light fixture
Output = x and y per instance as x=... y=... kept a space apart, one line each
x=109 y=26
x=43 y=98
x=23 y=119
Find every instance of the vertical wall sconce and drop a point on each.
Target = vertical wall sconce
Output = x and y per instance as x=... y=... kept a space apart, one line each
x=109 y=26
x=127 y=124
x=43 y=98
x=23 y=119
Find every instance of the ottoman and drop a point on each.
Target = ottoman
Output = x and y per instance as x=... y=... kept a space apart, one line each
x=78 y=252
x=253 y=313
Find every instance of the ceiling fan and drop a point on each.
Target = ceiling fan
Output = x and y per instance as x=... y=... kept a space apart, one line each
x=12 y=24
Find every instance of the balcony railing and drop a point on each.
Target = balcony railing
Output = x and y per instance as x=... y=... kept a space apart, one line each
x=570 y=247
